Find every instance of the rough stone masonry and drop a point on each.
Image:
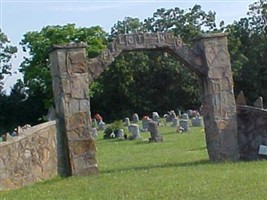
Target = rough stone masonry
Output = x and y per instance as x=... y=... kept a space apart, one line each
x=72 y=72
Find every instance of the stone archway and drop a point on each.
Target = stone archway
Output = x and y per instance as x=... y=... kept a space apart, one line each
x=72 y=72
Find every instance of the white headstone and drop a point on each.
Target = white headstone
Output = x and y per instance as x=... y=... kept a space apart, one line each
x=135 y=118
x=134 y=129
x=101 y=125
x=127 y=121
x=263 y=150
x=120 y=133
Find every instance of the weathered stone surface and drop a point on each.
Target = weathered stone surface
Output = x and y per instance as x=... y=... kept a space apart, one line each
x=79 y=86
x=219 y=108
x=29 y=158
x=75 y=144
x=76 y=62
x=134 y=130
x=259 y=103
x=154 y=132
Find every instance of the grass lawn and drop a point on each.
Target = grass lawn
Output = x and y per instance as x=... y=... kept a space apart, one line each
x=178 y=168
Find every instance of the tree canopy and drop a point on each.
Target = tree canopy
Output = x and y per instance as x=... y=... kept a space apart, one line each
x=6 y=53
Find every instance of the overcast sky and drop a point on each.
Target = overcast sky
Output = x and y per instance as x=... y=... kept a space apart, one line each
x=17 y=17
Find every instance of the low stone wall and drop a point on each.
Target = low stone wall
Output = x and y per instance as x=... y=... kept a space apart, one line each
x=28 y=158
x=252 y=131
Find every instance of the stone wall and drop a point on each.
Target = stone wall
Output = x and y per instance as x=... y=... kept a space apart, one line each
x=252 y=131
x=28 y=158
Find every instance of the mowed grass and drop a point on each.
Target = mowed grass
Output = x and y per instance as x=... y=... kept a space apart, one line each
x=178 y=168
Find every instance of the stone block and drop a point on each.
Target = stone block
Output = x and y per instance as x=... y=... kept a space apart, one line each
x=77 y=62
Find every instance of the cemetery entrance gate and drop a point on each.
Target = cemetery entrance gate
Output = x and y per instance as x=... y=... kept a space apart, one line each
x=72 y=72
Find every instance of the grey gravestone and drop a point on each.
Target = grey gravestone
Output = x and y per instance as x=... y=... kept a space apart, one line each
x=145 y=122
x=171 y=115
x=185 y=116
x=101 y=125
x=120 y=133
x=259 y=103
x=197 y=121
x=154 y=132
x=135 y=118
x=127 y=121
x=184 y=125
x=94 y=133
x=134 y=129
x=175 y=122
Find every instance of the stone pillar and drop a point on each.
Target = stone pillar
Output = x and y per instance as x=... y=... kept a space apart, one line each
x=219 y=107
x=76 y=146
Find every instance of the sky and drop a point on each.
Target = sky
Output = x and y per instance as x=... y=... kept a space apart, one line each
x=18 y=17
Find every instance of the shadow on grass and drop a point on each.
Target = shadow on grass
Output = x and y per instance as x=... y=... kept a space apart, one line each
x=167 y=165
x=198 y=149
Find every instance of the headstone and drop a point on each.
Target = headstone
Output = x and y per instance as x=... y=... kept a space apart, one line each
x=101 y=125
x=120 y=133
x=175 y=122
x=145 y=122
x=154 y=132
x=259 y=103
x=184 y=125
x=240 y=100
x=94 y=133
x=135 y=118
x=263 y=150
x=134 y=130
x=170 y=116
x=197 y=121
x=127 y=121
x=185 y=116
x=155 y=117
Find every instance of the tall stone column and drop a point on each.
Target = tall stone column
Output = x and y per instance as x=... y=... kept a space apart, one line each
x=76 y=146
x=219 y=107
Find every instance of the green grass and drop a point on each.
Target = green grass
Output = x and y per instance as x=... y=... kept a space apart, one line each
x=178 y=168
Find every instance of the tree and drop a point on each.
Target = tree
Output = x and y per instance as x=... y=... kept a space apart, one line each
x=35 y=68
x=6 y=53
x=248 y=48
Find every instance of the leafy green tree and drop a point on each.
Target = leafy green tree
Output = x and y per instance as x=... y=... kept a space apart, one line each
x=35 y=68
x=6 y=53
x=248 y=49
